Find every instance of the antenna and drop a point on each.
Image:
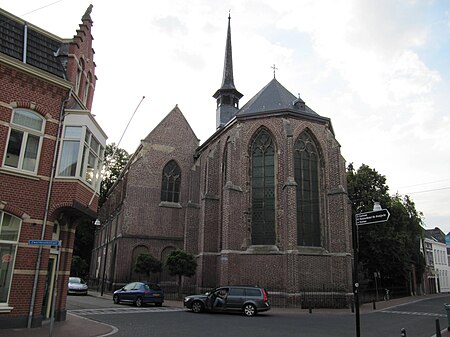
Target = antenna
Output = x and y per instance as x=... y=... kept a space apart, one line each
x=117 y=146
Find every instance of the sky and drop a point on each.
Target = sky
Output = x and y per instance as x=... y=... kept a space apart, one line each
x=379 y=69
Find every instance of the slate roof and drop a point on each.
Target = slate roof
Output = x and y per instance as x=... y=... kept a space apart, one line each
x=40 y=47
x=274 y=98
x=435 y=234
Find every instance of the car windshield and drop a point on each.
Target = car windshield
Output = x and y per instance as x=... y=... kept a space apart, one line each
x=75 y=280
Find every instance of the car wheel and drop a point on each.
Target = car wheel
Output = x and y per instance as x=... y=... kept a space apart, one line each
x=197 y=306
x=249 y=310
x=138 y=302
x=116 y=299
x=158 y=304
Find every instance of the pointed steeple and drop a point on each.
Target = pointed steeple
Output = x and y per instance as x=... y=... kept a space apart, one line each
x=227 y=96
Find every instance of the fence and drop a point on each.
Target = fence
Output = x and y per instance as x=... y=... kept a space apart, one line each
x=324 y=298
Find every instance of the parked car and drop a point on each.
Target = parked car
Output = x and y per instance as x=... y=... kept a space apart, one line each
x=248 y=300
x=139 y=293
x=77 y=286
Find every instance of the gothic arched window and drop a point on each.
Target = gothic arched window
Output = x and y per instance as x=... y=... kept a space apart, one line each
x=263 y=189
x=171 y=179
x=306 y=166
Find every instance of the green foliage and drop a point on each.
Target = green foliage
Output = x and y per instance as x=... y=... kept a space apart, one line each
x=113 y=166
x=181 y=263
x=79 y=266
x=393 y=247
x=83 y=244
x=147 y=264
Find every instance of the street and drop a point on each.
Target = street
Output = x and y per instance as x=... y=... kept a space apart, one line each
x=417 y=317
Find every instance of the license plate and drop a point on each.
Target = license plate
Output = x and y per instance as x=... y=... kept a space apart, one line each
x=156 y=295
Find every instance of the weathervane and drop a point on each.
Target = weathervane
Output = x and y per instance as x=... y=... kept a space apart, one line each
x=274 y=69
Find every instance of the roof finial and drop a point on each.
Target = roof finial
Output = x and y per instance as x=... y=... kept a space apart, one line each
x=229 y=14
x=274 y=69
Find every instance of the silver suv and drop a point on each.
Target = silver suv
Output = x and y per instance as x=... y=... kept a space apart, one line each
x=249 y=300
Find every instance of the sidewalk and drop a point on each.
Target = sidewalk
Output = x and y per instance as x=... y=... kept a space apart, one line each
x=76 y=326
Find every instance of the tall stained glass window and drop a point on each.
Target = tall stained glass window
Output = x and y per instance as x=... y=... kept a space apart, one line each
x=263 y=189
x=306 y=166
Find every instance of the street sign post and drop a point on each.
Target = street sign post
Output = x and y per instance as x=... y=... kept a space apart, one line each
x=55 y=243
x=369 y=218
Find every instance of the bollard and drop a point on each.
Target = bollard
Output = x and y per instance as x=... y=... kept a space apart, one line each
x=352 y=306
x=374 y=305
x=309 y=307
x=403 y=332
x=438 y=328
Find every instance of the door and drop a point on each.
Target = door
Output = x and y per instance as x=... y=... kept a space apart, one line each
x=49 y=285
x=236 y=298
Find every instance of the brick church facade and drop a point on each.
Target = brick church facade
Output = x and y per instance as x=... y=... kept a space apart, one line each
x=51 y=153
x=263 y=201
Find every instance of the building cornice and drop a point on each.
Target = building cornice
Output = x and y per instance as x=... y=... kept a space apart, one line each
x=33 y=71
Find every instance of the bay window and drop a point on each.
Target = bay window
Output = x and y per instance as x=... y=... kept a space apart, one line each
x=81 y=155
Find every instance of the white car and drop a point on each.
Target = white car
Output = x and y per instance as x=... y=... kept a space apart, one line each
x=77 y=286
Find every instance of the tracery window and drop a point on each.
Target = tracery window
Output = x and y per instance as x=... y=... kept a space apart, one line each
x=306 y=167
x=263 y=189
x=171 y=179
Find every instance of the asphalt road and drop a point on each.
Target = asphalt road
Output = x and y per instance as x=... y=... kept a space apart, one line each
x=418 y=318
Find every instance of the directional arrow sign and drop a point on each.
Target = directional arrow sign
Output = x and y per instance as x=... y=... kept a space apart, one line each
x=43 y=242
x=369 y=218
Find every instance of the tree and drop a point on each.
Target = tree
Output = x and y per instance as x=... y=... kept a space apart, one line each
x=85 y=233
x=113 y=166
x=79 y=267
x=182 y=264
x=82 y=248
x=391 y=248
x=147 y=264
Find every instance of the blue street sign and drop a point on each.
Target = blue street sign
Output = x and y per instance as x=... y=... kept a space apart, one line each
x=44 y=243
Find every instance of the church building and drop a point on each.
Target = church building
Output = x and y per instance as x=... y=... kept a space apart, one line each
x=263 y=201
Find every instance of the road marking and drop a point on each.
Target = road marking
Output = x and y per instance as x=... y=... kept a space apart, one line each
x=122 y=310
x=413 y=313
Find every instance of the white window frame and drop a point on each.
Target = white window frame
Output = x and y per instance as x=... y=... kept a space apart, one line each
x=27 y=131
x=86 y=142
x=9 y=273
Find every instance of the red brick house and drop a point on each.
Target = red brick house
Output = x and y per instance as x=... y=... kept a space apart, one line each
x=262 y=201
x=51 y=152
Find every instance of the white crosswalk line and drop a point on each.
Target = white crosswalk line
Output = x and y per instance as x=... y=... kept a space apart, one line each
x=123 y=310
x=413 y=313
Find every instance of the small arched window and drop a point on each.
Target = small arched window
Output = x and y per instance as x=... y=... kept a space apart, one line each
x=86 y=88
x=263 y=189
x=171 y=180
x=80 y=70
x=306 y=167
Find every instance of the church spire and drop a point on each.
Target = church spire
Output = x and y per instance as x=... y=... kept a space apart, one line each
x=227 y=96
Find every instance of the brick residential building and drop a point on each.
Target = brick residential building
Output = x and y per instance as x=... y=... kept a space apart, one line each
x=51 y=152
x=262 y=201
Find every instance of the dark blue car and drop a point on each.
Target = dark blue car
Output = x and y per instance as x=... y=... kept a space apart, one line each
x=139 y=293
